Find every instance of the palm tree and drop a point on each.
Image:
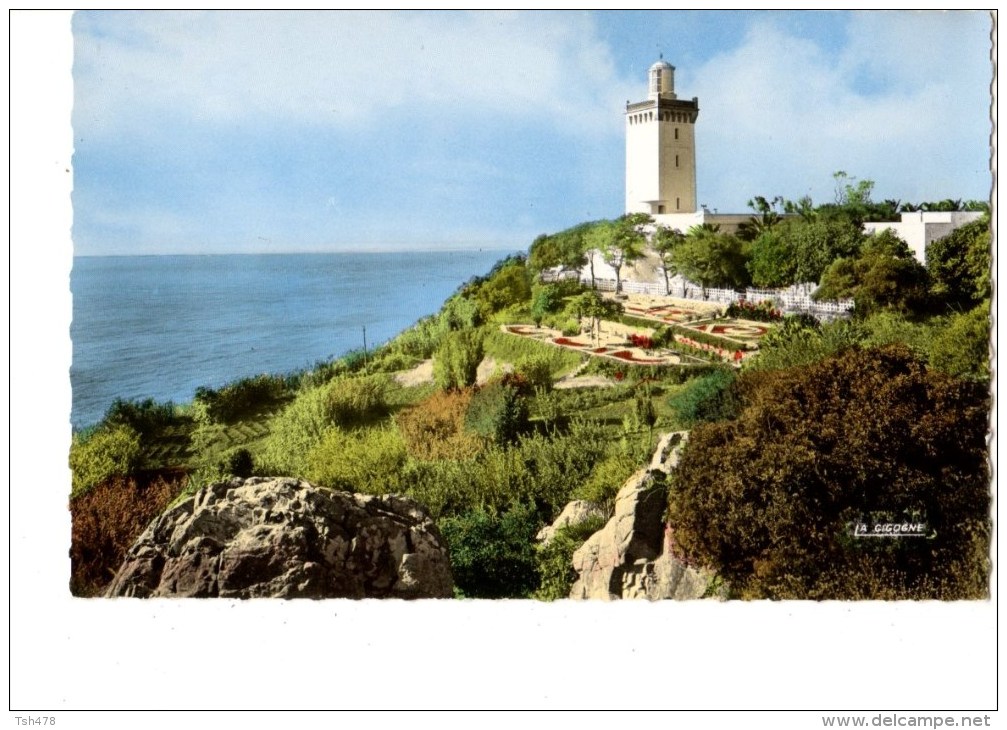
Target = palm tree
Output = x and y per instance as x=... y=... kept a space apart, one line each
x=802 y=207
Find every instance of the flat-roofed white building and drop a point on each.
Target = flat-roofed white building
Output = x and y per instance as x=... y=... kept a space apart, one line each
x=920 y=228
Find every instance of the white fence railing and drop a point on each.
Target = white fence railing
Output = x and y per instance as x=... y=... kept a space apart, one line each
x=796 y=299
x=792 y=300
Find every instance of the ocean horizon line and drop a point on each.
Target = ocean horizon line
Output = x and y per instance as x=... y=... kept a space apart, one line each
x=368 y=250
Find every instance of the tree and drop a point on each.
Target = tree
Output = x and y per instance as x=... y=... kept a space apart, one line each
x=766 y=217
x=948 y=205
x=839 y=281
x=506 y=287
x=886 y=275
x=596 y=241
x=853 y=200
x=564 y=250
x=803 y=208
x=771 y=499
x=712 y=259
x=621 y=242
x=593 y=305
x=545 y=299
x=772 y=262
x=664 y=242
x=817 y=243
x=960 y=266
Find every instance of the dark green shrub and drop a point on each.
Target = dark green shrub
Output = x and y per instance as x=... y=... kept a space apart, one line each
x=708 y=398
x=498 y=413
x=536 y=371
x=242 y=398
x=545 y=300
x=962 y=347
x=147 y=417
x=771 y=499
x=493 y=556
x=239 y=463
x=457 y=360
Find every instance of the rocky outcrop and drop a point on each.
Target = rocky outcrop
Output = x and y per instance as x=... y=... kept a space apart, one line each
x=631 y=556
x=278 y=537
x=574 y=513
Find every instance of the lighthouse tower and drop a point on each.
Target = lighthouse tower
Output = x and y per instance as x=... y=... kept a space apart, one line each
x=661 y=148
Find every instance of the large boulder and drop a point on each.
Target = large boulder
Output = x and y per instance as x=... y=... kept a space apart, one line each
x=575 y=513
x=286 y=538
x=631 y=557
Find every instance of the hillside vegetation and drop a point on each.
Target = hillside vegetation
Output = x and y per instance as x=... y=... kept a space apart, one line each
x=882 y=416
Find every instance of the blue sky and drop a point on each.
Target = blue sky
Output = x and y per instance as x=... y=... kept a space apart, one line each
x=228 y=132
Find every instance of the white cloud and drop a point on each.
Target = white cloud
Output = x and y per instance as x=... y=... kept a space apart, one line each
x=341 y=68
x=780 y=113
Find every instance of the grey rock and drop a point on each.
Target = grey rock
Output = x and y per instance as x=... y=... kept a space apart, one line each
x=631 y=557
x=574 y=513
x=278 y=537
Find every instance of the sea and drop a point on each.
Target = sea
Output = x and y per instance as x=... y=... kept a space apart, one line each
x=161 y=326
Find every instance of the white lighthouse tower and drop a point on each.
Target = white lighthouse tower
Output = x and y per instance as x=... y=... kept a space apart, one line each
x=661 y=148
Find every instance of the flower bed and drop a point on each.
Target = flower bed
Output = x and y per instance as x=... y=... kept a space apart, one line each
x=565 y=342
x=617 y=351
x=722 y=353
x=724 y=333
x=642 y=341
x=519 y=330
x=630 y=357
x=764 y=311
x=738 y=330
x=663 y=313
